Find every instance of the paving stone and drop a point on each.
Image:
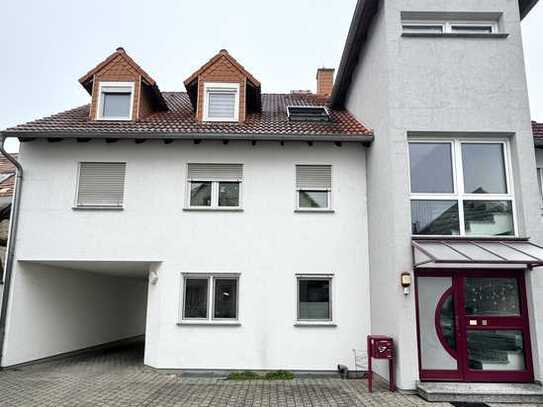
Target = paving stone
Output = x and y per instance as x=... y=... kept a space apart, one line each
x=117 y=378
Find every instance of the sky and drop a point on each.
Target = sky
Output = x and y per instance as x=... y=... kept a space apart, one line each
x=47 y=45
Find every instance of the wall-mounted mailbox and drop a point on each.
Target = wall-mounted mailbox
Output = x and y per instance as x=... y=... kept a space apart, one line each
x=381 y=347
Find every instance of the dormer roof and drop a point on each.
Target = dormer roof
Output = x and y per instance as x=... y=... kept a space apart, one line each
x=223 y=67
x=222 y=54
x=121 y=58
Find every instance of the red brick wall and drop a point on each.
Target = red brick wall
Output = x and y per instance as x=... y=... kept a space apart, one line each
x=221 y=71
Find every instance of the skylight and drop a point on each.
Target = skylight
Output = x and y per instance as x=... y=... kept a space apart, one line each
x=308 y=113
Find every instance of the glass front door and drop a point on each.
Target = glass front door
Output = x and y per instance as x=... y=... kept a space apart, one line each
x=473 y=326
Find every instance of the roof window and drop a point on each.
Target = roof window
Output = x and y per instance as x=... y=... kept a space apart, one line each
x=308 y=113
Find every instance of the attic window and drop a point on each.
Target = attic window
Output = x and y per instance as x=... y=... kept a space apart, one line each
x=221 y=103
x=115 y=101
x=308 y=113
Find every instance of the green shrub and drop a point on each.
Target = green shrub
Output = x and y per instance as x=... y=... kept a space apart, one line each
x=250 y=375
x=244 y=375
x=279 y=375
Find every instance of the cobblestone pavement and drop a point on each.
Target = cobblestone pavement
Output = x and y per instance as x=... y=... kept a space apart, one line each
x=117 y=378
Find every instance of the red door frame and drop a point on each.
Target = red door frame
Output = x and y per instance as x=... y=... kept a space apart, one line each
x=463 y=373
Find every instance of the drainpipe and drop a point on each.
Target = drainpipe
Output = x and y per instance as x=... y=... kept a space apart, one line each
x=14 y=217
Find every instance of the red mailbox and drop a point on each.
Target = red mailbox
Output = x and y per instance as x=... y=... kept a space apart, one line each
x=381 y=347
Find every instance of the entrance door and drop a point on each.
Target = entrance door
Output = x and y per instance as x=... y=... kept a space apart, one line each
x=473 y=326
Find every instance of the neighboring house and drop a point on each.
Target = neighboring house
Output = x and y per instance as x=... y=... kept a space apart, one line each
x=7 y=184
x=242 y=230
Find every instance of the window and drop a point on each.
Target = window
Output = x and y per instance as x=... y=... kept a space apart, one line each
x=540 y=184
x=449 y=27
x=313 y=187
x=461 y=187
x=115 y=101
x=101 y=185
x=308 y=113
x=221 y=103
x=210 y=297
x=314 y=298
x=214 y=186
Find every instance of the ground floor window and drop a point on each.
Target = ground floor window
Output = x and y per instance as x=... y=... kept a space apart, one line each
x=210 y=296
x=314 y=298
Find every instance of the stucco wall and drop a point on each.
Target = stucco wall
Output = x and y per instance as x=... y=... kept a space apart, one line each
x=465 y=86
x=267 y=243
x=54 y=311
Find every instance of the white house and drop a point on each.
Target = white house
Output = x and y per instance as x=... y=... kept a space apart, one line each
x=239 y=230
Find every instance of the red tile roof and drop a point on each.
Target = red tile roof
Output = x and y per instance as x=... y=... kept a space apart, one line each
x=537 y=129
x=179 y=119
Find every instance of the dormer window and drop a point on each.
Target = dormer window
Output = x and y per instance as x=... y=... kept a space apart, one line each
x=221 y=102
x=115 y=101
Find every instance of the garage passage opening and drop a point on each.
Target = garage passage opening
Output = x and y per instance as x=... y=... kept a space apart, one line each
x=63 y=306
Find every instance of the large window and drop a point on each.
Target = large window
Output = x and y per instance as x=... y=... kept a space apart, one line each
x=461 y=187
x=314 y=298
x=210 y=297
x=314 y=187
x=100 y=185
x=221 y=102
x=115 y=101
x=214 y=186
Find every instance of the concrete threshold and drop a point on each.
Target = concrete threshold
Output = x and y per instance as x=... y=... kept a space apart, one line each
x=481 y=392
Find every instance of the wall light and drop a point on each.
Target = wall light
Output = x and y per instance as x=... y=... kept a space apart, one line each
x=406 y=282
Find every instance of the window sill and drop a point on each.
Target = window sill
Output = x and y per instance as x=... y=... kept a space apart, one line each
x=314 y=210
x=97 y=207
x=316 y=324
x=189 y=209
x=455 y=35
x=114 y=119
x=210 y=323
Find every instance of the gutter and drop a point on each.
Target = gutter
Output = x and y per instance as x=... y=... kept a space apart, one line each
x=11 y=245
x=121 y=135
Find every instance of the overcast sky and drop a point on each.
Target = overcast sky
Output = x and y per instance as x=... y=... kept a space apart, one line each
x=47 y=45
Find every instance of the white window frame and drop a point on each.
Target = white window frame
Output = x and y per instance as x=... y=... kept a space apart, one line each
x=209 y=87
x=458 y=194
x=214 y=194
x=123 y=85
x=447 y=26
x=77 y=205
x=330 y=206
x=211 y=277
x=331 y=289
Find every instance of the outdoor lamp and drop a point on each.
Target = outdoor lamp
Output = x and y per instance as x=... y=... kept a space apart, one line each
x=406 y=282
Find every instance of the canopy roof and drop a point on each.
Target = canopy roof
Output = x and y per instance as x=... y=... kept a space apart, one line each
x=459 y=253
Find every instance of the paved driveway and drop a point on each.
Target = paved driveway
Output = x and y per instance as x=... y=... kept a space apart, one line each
x=118 y=378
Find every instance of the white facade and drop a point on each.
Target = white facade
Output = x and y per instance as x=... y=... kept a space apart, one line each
x=267 y=243
x=438 y=87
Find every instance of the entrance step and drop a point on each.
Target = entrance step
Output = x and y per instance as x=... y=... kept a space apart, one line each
x=481 y=392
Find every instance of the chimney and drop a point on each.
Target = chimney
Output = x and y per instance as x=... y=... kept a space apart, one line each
x=325 y=81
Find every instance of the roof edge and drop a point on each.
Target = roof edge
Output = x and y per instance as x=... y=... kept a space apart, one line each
x=363 y=138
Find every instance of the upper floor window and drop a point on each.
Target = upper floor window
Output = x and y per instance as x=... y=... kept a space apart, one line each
x=314 y=187
x=449 y=27
x=100 y=185
x=115 y=101
x=214 y=186
x=221 y=102
x=461 y=187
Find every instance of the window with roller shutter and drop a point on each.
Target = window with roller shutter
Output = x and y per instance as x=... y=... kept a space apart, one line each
x=221 y=102
x=101 y=184
x=313 y=187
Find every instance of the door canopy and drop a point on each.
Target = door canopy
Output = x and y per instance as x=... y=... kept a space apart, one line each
x=462 y=253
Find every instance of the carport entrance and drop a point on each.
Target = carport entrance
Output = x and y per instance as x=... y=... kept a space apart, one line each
x=62 y=306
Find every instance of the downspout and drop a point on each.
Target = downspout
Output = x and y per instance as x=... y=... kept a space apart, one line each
x=14 y=217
